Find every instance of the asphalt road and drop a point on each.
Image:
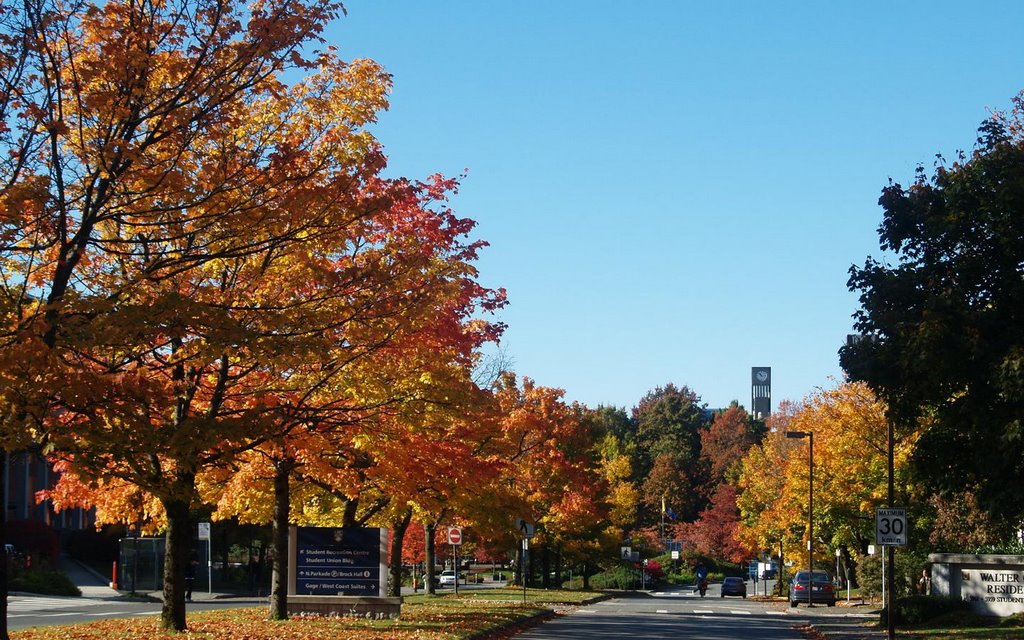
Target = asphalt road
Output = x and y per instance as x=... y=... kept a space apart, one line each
x=37 y=611
x=681 y=613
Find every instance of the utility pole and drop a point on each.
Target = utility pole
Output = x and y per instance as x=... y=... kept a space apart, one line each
x=890 y=550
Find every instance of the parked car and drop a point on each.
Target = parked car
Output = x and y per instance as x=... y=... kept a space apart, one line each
x=734 y=587
x=808 y=587
x=448 y=578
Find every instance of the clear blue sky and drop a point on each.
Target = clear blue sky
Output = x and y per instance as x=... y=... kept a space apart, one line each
x=674 y=191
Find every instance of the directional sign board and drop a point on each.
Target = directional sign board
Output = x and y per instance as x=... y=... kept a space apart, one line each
x=891 y=527
x=454 y=535
x=339 y=561
x=524 y=528
x=204 y=530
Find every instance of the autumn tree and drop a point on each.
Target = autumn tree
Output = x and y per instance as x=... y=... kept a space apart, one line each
x=553 y=470
x=714 y=532
x=723 y=445
x=408 y=403
x=623 y=495
x=942 y=322
x=959 y=524
x=725 y=442
x=669 y=421
x=156 y=163
x=850 y=478
x=768 y=513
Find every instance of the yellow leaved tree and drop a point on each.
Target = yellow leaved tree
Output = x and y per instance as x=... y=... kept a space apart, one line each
x=850 y=476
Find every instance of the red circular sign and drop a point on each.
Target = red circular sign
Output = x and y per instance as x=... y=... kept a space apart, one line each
x=454 y=536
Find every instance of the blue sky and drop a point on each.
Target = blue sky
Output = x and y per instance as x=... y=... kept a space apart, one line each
x=674 y=191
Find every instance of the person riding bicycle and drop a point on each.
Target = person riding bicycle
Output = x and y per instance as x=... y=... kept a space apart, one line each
x=702 y=577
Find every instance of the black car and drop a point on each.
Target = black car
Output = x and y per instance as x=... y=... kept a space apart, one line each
x=734 y=587
x=805 y=589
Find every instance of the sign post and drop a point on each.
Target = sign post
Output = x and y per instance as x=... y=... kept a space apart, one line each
x=526 y=530
x=455 y=539
x=204 y=534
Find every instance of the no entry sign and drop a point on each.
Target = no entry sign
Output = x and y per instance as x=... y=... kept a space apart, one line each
x=454 y=535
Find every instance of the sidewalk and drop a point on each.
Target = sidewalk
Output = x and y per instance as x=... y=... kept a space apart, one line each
x=846 y=630
x=91 y=584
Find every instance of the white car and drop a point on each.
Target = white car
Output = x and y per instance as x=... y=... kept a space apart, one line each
x=447 y=578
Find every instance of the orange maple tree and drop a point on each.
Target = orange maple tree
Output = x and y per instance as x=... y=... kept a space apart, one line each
x=553 y=470
x=169 y=198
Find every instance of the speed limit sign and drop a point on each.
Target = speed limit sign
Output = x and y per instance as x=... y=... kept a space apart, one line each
x=891 y=527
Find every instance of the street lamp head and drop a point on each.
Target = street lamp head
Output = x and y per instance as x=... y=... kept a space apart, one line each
x=797 y=434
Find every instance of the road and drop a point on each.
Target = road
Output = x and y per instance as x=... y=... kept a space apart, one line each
x=34 y=611
x=681 y=613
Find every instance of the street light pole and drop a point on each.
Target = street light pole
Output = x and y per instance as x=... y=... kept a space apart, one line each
x=810 y=508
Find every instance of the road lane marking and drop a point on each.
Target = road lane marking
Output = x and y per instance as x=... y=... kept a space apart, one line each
x=661 y=611
x=740 y=613
x=43 y=604
x=703 y=610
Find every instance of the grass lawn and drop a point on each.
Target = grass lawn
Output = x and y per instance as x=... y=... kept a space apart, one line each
x=962 y=626
x=444 y=617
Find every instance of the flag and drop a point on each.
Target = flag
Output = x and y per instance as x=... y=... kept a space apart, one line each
x=667 y=511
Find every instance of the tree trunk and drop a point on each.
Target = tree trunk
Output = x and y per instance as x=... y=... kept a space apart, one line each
x=176 y=555
x=348 y=514
x=428 y=536
x=545 y=567
x=398 y=529
x=586 y=576
x=279 y=541
x=558 y=567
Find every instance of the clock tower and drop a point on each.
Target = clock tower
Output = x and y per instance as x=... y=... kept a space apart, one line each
x=761 y=392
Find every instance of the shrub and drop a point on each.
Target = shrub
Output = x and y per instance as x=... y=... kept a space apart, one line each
x=914 y=610
x=43 y=582
x=620 y=577
x=869 y=574
x=1015 y=620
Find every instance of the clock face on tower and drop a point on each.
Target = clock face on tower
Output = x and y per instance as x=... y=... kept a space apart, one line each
x=762 y=375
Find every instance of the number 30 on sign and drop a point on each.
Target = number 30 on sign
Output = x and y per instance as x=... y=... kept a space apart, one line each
x=891 y=527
